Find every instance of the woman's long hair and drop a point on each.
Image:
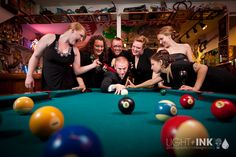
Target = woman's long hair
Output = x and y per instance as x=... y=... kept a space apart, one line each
x=90 y=47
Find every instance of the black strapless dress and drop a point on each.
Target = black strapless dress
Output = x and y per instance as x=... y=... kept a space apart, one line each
x=179 y=57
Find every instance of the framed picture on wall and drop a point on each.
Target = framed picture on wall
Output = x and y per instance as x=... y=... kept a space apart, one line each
x=10 y=5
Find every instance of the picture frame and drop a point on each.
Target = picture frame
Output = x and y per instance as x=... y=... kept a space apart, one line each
x=10 y=5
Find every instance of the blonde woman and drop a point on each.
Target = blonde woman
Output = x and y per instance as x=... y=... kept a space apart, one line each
x=61 y=59
x=178 y=51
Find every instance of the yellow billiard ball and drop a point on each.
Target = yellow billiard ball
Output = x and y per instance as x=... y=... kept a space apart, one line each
x=23 y=105
x=45 y=121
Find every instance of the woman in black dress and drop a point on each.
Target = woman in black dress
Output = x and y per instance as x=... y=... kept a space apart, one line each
x=198 y=77
x=61 y=59
x=96 y=48
x=140 y=60
x=178 y=51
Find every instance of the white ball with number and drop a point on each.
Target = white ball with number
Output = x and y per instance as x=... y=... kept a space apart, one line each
x=124 y=92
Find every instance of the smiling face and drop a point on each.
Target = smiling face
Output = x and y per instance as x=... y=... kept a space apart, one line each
x=98 y=47
x=137 y=48
x=116 y=47
x=76 y=36
x=164 y=40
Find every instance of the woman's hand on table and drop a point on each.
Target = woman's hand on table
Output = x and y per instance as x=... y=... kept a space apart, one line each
x=80 y=87
x=188 y=88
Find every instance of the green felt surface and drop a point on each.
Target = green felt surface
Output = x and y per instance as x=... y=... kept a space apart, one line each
x=135 y=135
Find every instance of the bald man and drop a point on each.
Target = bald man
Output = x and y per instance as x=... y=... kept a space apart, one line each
x=115 y=82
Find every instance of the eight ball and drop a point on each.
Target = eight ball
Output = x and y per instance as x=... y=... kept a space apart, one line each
x=126 y=105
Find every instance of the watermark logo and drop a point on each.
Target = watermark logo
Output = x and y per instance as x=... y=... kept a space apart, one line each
x=197 y=143
x=218 y=143
x=225 y=144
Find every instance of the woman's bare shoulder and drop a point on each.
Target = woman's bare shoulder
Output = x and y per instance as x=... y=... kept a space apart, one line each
x=48 y=39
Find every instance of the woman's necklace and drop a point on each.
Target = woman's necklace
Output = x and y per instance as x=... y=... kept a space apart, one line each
x=62 y=54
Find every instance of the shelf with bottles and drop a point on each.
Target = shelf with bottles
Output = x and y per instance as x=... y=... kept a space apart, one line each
x=211 y=58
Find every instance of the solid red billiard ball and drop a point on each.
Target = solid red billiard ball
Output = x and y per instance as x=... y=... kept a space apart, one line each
x=187 y=101
x=223 y=109
x=126 y=105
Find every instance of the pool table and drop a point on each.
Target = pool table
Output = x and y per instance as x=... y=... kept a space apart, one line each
x=134 y=135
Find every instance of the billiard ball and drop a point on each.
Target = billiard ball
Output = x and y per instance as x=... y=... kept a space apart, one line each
x=165 y=110
x=23 y=105
x=223 y=109
x=45 y=121
x=167 y=102
x=124 y=92
x=76 y=141
x=179 y=135
x=163 y=91
x=126 y=105
x=187 y=101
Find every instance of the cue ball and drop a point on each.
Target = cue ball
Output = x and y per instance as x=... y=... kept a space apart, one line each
x=23 y=105
x=223 y=109
x=45 y=121
x=126 y=105
x=124 y=92
x=73 y=141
